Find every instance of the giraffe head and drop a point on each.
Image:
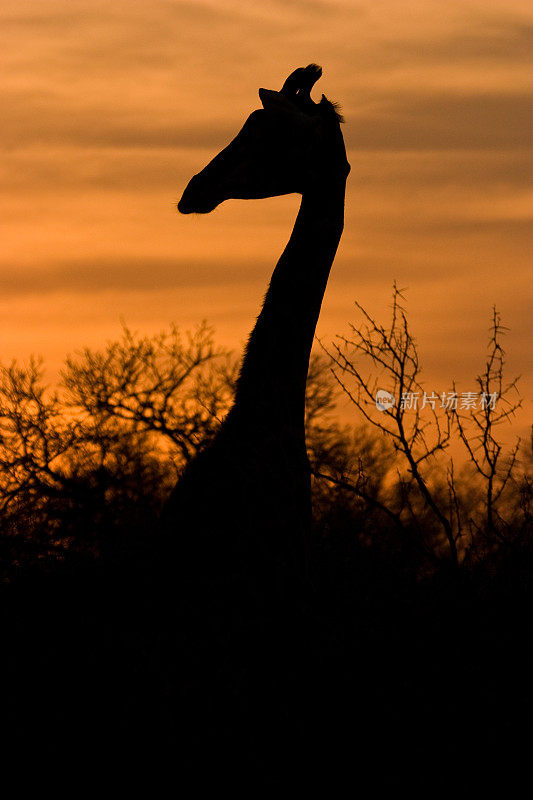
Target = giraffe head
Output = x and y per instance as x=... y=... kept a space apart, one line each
x=285 y=147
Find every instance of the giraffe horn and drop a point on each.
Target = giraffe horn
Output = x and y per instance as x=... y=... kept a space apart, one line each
x=302 y=80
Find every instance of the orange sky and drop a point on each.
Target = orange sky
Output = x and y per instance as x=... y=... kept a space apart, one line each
x=110 y=106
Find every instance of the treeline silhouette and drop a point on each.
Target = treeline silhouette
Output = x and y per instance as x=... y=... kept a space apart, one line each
x=412 y=648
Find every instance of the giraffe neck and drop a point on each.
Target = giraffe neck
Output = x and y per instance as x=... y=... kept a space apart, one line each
x=271 y=386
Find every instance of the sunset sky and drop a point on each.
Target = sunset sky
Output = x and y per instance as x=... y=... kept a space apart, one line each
x=110 y=106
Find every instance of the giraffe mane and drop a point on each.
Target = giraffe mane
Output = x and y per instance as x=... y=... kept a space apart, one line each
x=330 y=107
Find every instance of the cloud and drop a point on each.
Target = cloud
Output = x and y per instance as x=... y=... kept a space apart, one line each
x=427 y=170
x=409 y=121
x=33 y=118
x=100 y=274
x=442 y=121
x=497 y=39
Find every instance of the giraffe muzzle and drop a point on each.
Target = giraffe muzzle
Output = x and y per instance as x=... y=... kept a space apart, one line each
x=196 y=199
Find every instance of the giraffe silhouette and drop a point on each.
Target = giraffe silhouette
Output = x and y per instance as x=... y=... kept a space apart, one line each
x=240 y=516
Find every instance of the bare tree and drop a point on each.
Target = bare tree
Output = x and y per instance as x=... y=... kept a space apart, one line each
x=416 y=423
x=354 y=460
x=35 y=435
x=128 y=417
x=173 y=385
x=378 y=369
x=494 y=465
x=81 y=460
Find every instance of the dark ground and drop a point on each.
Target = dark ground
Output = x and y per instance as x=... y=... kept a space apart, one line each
x=377 y=678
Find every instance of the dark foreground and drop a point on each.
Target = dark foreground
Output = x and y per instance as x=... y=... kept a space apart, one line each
x=376 y=679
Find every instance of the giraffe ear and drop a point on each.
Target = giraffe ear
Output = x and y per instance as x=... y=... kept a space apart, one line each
x=275 y=101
